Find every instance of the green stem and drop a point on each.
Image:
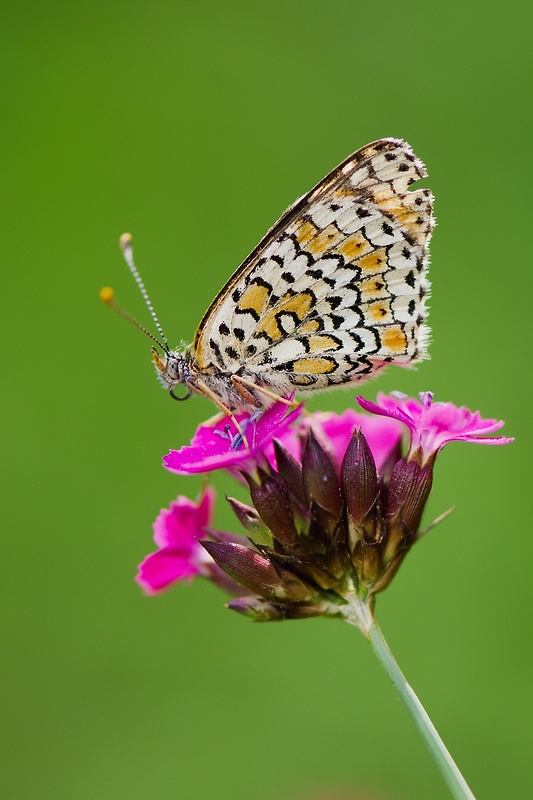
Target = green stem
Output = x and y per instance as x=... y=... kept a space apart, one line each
x=449 y=770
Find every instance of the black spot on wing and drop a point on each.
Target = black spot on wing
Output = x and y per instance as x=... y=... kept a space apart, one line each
x=232 y=353
x=216 y=350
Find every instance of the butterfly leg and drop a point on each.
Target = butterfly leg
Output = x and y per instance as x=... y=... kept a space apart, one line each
x=206 y=391
x=240 y=383
x=245 y=393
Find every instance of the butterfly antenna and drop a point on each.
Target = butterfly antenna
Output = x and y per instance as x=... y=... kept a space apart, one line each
x=107 y=296
x=127 y=252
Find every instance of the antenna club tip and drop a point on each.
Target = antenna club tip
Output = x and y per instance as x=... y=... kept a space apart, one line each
x=125 y=241
x=107 y=295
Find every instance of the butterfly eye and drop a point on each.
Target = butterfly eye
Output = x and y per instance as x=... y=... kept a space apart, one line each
x=176 y=397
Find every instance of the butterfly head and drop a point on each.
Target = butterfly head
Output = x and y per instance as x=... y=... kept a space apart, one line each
x=172 y=369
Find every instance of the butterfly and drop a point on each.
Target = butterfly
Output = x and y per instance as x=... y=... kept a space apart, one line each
x=334 y=292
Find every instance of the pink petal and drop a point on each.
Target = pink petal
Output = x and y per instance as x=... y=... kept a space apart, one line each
x=159 y=570
x=180 y=525
x=217 y=445
x=176 y=531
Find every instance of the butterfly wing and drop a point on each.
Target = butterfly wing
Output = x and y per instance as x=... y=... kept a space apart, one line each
x=337 y=287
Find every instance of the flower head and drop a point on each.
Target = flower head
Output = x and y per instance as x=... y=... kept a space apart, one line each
x=432 y=425
x=335 y=507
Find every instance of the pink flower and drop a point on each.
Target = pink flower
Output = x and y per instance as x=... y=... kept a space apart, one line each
x=432 y=425
x=334 y=504
x=218 y=445
x=180 y=556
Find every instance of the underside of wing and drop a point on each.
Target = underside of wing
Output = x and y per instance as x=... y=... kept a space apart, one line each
x=337 y=288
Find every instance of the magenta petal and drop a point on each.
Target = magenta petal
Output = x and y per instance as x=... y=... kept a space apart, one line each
x=390 y=407
x=217 y=444
x=176 y=532
x=159 y=570
x=180 y=525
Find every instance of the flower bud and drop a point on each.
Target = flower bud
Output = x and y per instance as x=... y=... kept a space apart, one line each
x=272 y=499
x=256 y=572
x=408 y=491
x=257 y=608
x=367 y=560
x=251 y=522
x=358 y=477
x=289 y=469
x=261 y=610
x=320 y=485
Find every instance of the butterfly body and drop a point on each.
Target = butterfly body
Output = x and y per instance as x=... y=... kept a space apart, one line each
x=334 y=292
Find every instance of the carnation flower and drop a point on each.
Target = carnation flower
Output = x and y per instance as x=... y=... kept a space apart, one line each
x=432 y=425
x=335 y=507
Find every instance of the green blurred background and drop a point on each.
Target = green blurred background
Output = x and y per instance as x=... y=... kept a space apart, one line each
x=194 y=125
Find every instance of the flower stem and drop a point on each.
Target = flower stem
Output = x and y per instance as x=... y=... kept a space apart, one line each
x=447 y=766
